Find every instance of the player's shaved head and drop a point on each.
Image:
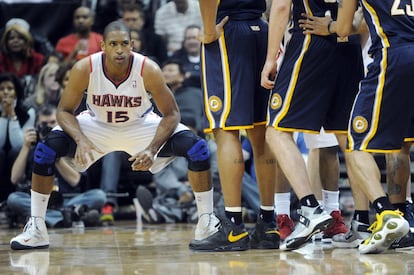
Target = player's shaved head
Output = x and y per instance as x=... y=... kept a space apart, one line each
x=115 y=26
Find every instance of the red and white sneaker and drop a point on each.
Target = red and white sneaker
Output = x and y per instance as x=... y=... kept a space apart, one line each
x=285 y=225
x=34 y=235
x=338 y=227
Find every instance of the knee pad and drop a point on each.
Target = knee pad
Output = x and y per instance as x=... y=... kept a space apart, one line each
x=44 y=160
x=199 y=151
x=199 y=156
x=192 y=147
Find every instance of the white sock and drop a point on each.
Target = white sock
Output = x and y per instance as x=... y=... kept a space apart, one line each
x=330 y=200
x=39 y=204
x=204 y=202
x=282 y=203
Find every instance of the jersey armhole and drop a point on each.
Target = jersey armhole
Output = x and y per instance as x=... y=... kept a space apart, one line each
x=142 y=65
x=90 y=64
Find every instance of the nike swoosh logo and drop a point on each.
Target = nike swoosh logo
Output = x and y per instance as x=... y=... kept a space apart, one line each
x=236 y=238
x=27 y=240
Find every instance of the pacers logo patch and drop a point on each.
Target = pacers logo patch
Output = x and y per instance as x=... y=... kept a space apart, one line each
x=276 y=101
x=359 y=124
x=215 y=103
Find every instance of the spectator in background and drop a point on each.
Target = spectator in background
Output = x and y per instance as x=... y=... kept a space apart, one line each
x=17 y=55
x=151 y=44
x=189 y=99
x=68 y=181
x=189 y=55
x=83 y=41
x=171 y=20
x=41 y=43
x=14 y=120
x=47 y=90
x=53 y=57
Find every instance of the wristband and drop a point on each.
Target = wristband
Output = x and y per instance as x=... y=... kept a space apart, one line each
x=329 y=26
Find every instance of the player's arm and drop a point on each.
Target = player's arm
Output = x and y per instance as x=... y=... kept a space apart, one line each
x=278 y=21
x=326 y=26
x=69 y=102
x=211 y=31
x=345 y=22
x=71 y=98
x=164 y=100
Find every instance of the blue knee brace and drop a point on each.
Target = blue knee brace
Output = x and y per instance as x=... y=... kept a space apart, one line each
x=44 y=160
x=199 y=151
x=199 y=156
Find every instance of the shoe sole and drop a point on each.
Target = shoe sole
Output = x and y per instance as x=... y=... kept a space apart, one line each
x=353 y=244
x=264 y=245
x=241 y=245
x=392 y=230
x=18 y=246
x=301 y=241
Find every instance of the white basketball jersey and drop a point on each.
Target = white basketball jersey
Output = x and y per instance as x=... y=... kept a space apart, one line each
x=120 y=102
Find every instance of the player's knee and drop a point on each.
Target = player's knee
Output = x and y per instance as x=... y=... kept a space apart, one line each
x=199 y=151
x=199 y=156
x=193 y=148
x=44 y=160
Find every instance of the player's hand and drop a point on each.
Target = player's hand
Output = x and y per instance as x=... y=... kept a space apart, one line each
x=84 y=151
x=315 y=25
x=142 y=161
x=207 y=38
x=268 y=74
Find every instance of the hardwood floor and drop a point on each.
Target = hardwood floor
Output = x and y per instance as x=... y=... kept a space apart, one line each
x=163 y=249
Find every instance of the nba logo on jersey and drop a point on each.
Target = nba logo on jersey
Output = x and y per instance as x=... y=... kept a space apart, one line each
x=134 y=83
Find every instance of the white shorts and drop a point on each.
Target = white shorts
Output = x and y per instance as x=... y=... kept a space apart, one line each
x=129 y=137
x=322 y=140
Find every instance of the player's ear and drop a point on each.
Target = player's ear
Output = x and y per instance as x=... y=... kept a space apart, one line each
x=102 y=45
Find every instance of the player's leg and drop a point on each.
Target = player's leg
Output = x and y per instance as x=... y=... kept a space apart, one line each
x=56 y=144
x=398 y=184
x=294 y=167
x=264 y=234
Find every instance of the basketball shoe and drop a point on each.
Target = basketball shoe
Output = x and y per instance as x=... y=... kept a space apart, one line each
x=229 y=237
x=206 y=226
x=409 y=214
x=311 y=221
x=338 y=227
x=351 y=239
x=34 y=235
x=264 y=235
x=404 y=243
x=389 y=226
x=107 y=214
x=285 y=225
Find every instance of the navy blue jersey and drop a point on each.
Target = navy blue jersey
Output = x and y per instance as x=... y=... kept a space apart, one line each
x=390 y=22
x=241 y=9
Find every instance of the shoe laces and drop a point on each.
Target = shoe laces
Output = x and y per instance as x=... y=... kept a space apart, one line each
x=31 y=226
x=377 y=225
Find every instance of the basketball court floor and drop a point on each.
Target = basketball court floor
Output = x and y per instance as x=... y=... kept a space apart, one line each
x=130 y=248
